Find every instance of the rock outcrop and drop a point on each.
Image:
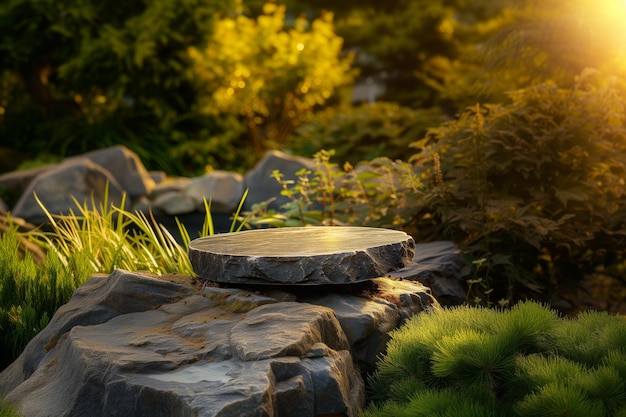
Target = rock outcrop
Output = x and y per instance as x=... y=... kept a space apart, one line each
x=130 y=344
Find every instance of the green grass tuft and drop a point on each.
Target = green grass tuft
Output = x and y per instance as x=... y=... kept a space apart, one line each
x=7 y=409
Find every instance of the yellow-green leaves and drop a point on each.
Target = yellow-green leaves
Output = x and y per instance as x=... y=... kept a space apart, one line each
x=269 y=72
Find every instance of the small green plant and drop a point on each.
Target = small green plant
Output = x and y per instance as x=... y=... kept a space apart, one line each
x=112 y=238
x=525 y=361
x=376 y=193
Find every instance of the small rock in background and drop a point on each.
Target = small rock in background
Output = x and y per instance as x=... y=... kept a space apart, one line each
x=260 y=184
x=173 y=203
x=224 y=190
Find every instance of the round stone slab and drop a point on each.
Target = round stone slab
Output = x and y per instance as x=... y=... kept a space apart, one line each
x=301 y=255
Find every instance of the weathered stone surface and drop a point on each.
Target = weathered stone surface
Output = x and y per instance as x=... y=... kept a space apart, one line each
x=174 y=203
x=437 y=265
x=224 y=189
x=158 y=177
x=16 y=182
x=368 y=318
x=301 y=255
x=260 y=184
x=79 y=178
x=294 y=328
x=133 y=345
x=125 y=166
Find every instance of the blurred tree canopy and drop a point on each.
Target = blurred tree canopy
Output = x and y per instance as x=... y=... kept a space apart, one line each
x=455 y=53
x=421 y=50
x=271 y=73
x=120 y=67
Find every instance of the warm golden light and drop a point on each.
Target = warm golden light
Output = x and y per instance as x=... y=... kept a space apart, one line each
x=603 y=23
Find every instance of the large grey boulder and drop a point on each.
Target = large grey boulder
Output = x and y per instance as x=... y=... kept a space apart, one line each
x=135 y=345
x=62 y=186
x=125 y=166
x=260 y=184
x=15 y=182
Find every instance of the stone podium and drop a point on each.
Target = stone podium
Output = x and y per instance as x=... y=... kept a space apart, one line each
x=311 y=255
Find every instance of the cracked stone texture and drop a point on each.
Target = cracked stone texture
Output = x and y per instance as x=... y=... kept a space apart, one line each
x=301 y=255
x=130 y=344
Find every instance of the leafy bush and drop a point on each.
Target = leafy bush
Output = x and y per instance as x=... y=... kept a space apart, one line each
x=86 y=74
x=526 y=361
x=364 y=132
x=532 y=190
x=270 y=72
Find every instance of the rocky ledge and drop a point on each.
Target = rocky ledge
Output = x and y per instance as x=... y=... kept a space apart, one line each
x=132 y=344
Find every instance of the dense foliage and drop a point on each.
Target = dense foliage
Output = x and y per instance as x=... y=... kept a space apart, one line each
x=271 y=73
x=31 y=293
x=156 y=78
x=525 y=361
x=81 y=75
x=364 y=132
x=533 y=190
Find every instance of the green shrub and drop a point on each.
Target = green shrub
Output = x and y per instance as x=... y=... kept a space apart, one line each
x=365 y=132
x=533 y=191
x=271 y=70
x=524 y=361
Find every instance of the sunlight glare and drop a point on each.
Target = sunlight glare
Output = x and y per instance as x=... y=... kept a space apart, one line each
x=604 y=23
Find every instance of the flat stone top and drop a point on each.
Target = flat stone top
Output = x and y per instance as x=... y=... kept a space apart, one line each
x=301 y=255
x=298 y=241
